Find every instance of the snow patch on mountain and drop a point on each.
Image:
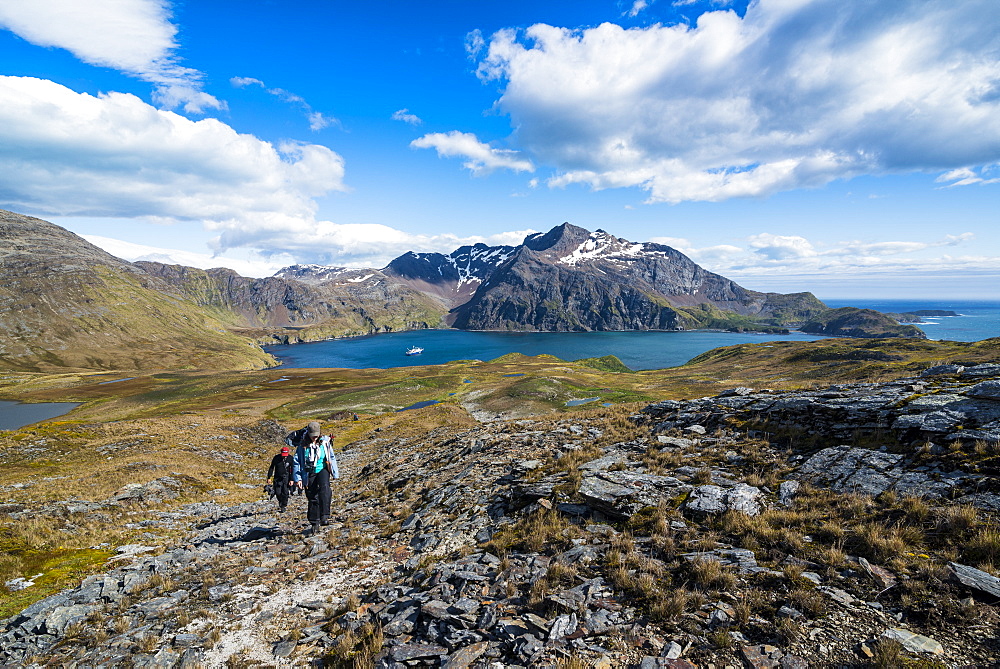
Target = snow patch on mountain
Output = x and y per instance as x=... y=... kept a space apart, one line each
x=318 y=274
x=602 y=246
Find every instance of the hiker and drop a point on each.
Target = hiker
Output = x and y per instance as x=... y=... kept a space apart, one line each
x=281 y=470
x=313 y=465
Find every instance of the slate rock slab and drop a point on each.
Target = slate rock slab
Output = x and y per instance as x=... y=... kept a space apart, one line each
x=915 y=643
x=605 y=463
x=284 y=648
x=621 y=494
x=63 y=616
x=988 y=390
x=417 y=651
x=464 y=657
x=976 y=579
x=867 y=472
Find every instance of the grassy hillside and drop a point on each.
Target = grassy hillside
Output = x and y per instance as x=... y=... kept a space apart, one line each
x=65 y=304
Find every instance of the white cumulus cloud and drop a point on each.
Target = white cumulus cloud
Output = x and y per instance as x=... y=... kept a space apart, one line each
x=781 y=247
x=67 y=153
x=480 y=158
x=132 y=36
x=256 y=253
x=793 y=94
x=252 y=264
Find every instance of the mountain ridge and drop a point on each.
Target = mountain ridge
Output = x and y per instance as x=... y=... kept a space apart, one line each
x=65 y=303
x=69 y=304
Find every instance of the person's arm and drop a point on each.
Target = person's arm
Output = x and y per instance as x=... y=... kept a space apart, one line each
x=333 y=458
x=271 y=469
x=297 y=467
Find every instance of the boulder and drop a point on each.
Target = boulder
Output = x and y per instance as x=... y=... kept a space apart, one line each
x=712 y=499
x=787 y=492
x=621 y=494
x=938 y=370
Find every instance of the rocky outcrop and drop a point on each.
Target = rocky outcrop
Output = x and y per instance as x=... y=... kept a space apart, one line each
x=868 y=472
x=911 y=410
x=915 y=419
x=473 y=548
x=864 y=323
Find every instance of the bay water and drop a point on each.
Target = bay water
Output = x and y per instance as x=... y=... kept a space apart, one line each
x=638 y=350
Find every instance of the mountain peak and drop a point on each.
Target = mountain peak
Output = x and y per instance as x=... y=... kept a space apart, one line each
x=557 y=239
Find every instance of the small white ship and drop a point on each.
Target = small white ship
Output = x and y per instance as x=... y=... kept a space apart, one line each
x=414 y=350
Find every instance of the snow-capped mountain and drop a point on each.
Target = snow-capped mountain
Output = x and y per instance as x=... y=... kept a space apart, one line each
x=452 y=278
x=572 y=279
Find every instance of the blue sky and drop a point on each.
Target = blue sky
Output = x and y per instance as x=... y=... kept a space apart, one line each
x=845 y=147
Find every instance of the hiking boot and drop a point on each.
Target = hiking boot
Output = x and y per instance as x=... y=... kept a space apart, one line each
x=325 y=521
x=281 y=509
x=313 y=529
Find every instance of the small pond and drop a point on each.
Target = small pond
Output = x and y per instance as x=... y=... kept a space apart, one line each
x=18 y=414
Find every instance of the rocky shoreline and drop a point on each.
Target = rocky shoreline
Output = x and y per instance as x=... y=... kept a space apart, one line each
x=698 y=533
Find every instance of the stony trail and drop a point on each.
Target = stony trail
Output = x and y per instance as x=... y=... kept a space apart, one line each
x=706 y=533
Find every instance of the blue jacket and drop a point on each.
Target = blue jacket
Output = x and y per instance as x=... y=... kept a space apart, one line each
x=300 y=465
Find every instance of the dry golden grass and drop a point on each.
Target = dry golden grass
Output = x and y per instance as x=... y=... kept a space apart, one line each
x=356 y=650
x=984 y=547
x=671 y=605
x=709 y=574
x=544 y=528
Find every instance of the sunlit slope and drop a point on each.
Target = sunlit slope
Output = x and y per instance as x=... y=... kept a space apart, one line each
x=64 y=303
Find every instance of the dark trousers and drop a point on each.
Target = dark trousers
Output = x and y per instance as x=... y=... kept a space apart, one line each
x=281 y=492
x=318 y=494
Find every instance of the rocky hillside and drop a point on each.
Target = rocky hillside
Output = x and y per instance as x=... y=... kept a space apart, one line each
x=64 y=303
x=303 y=302
x=452 y=278
x=847 y=526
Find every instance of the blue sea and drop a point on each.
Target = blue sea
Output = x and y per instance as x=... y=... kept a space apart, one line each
x=638 y=350
x=977 y=320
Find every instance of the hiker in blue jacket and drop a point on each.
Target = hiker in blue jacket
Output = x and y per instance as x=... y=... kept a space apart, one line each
x=312 y=468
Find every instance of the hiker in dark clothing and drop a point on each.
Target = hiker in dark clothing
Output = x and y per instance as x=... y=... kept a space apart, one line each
x=281 y=469
x=313 y=465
